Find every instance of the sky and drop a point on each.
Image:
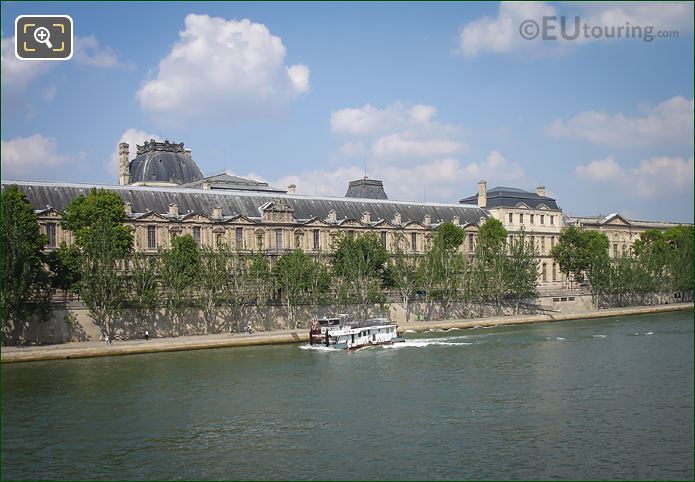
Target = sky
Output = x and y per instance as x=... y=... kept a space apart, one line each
x=428 y=97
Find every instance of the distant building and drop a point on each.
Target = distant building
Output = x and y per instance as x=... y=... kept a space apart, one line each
x=537 y=214
x=166 y=195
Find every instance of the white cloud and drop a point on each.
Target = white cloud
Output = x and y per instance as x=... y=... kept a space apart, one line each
x=16 y=73
x=132 y=137
x=653 y=178
x=670 y=122
x=400 y=145
x=601 y=170
x=408 y=148
x=446 y=179
x=400 y=132
x=369 y=120
x=352 y=149
x=502 y=35
x=89 y=51
x=23 y=156
x=223 y=68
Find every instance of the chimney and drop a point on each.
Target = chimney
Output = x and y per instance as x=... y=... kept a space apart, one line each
x=397 y=218
x=332 y=216
x=455 y=220
x=128 y=208
x=482 y=194
x=366 y=217
x=540 y=190
x=291 y=189
x=206 y=185
x=428 y=220
x=173 y=209
x=123 y=164
x=217 y=212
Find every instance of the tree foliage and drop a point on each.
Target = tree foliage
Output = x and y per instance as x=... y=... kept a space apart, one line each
x=25 y=283
x=359 y=264
x=179 y=268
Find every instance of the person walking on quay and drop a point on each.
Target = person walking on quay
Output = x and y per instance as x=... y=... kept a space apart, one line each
x=147 y=335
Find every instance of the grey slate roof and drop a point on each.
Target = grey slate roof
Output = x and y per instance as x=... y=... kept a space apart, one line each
x=502 y=196
x=229 y=181
x=366 y=189
x=42 y=195
x=171 y=165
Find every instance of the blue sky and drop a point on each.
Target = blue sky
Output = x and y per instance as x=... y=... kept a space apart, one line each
x=432 y=97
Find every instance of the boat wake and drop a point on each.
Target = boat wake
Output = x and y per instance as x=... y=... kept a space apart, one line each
x=598 y=336
x=317 y=348
x=423 y=342
x=643 y=334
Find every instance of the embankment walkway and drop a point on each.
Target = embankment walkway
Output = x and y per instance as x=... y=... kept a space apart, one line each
x=131 y=347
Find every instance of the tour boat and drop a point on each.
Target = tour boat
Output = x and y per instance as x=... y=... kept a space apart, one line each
x=341 y=334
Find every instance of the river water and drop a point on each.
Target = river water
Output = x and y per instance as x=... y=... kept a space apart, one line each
x=593 y=399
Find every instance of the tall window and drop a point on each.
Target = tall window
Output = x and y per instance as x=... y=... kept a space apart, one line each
x=554 y=272
x=543 y=273
x=317 y=239
x=531 y=216
x=533 y=242
x=542 y=244
x=51 y=233
x=542 y=218
x=471 y=242
x=239 y=238
x=413 y=241
x=196 y=234
x=278 y=239
x=521 y=218
x=151 y=237
x=552 y=220
x=383 y=239
x=511 y=218
x=615 y=250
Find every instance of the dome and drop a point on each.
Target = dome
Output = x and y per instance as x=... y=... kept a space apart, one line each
x=163 y=162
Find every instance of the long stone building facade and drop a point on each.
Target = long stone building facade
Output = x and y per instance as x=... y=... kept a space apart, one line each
x=166 y=195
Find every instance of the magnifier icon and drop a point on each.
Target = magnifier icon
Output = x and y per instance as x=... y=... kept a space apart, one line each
x=43 y=36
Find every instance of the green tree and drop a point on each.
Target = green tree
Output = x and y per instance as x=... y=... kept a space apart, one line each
x=105 y=245
x=103 y=284
x=403 y=271
x=489 y=267
x=64 y=264
x=521 y=270
x=441 y=270
x=25 y=283
x=360 y=264
x=143 y=283
x=260 y=280
x=577 y=249
x=294 y=273
x=179 y=270
x=492 y=237
x=106 y=206
x=213 y=283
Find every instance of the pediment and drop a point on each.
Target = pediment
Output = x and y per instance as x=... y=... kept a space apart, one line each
x=151 y=216
x=616 y=220
x=239 y=219
x=49 y=212
x=278 y=206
